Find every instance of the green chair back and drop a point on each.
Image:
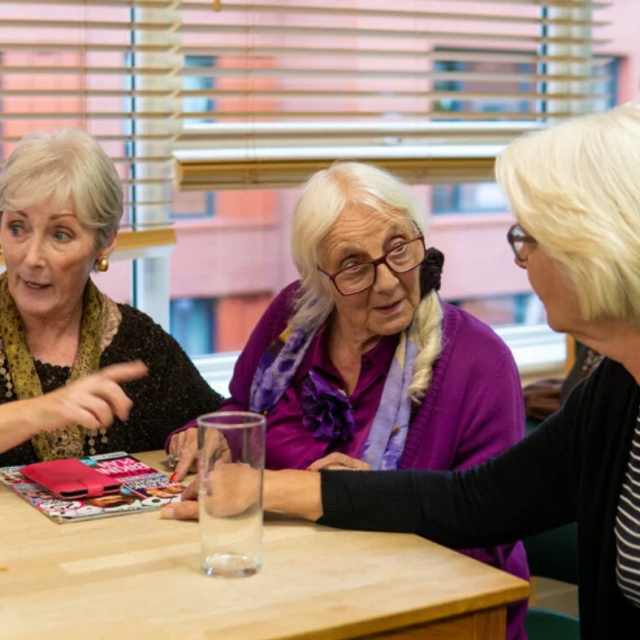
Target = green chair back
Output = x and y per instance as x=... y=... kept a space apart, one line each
x=553 y=554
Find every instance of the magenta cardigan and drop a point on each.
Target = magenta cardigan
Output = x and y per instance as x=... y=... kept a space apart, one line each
x=473 y=410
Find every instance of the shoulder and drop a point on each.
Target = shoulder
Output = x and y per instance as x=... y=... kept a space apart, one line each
x=607 y=381
x=279 y=311
x=285 y=302
x=138 y=336
x=134 y=320
x=462 y=332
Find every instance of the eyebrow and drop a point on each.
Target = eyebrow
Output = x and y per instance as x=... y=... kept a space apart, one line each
x=54 y=216
x=344 y=251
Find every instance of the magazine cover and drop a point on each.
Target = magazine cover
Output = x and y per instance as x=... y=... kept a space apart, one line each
x=143 y=489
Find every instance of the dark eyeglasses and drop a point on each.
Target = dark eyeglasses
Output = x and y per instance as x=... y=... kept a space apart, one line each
x=358 y=277
x=519 y=240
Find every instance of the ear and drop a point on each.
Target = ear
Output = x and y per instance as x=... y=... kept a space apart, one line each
x=109 y=248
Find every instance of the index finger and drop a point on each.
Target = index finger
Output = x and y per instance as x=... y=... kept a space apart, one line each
x=184 y=464
x=125 y=371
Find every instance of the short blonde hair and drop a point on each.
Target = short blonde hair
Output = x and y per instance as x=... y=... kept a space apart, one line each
x=62 y=166
x=323 y=199
x=575 y=187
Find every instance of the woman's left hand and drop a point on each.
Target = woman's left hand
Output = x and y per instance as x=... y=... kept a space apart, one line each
x=184 y=446
x=339 y=461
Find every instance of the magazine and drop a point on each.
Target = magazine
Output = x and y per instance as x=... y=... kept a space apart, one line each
x=143 y=489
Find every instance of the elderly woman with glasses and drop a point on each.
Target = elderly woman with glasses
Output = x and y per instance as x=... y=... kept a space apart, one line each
x=360 y=365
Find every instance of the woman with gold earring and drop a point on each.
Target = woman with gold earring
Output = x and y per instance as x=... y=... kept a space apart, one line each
x=60 y=208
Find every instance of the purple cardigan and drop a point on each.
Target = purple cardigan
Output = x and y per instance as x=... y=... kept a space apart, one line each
x=473 y=409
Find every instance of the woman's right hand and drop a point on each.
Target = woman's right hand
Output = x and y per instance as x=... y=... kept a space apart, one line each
x=94 y=401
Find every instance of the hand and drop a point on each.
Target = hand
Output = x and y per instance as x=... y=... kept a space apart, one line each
x=230 y=489
x=339 y=461
x=93 y=402
x=187 y=509
x=184 y=446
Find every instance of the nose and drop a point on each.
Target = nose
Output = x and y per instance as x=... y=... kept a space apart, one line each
x=34 y=256
x=519 y=263
x=385 y=278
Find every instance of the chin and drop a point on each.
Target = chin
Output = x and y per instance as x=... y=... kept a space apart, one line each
x=31 y=309
x=393 y=326
x=558 y=325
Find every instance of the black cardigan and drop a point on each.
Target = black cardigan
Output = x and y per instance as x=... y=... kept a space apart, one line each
x=571 y=468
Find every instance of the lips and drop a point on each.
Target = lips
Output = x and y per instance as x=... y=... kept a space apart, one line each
x=390 y=307
x=34 y=285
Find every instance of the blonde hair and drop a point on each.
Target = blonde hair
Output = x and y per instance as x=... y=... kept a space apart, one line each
x=323 y=199
x=62 y=166
x=576 y=188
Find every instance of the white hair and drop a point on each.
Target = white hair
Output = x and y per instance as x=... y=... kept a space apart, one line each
x=323 y=198
x=575 y=188
x=62 y=166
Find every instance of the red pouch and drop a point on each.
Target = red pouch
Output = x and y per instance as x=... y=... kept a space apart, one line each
x=70 y=479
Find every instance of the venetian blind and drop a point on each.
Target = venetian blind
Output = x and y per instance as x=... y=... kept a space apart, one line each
x=272 y=90
x=106 y=66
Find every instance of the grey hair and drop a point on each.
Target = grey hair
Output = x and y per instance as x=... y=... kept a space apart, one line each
x=575 y=188
x=62 y=166
x=323 y=198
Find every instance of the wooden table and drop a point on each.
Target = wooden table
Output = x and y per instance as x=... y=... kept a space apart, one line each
x=135 y=577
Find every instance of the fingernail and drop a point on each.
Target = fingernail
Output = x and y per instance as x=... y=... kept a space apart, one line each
x=167 y=512
x=174 y=477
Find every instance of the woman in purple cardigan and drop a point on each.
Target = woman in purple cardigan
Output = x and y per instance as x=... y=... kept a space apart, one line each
x=360 y=365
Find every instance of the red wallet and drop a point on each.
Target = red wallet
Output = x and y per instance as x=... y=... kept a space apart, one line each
x=70 y=478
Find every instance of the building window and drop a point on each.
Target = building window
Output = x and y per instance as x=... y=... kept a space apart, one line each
x=193 y=103
x=487 y=197
x=193 y=324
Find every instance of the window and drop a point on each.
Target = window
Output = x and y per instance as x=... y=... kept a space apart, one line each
x=193 y=324
x=267 y=92
x=487 y=197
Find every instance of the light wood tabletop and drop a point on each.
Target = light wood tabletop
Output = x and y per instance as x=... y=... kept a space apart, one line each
x=136 y=576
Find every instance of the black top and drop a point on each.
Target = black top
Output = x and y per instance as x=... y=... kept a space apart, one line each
x=170 y=395
x=571 y=468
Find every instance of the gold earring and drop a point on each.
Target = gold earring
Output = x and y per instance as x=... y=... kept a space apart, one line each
x=102 y=265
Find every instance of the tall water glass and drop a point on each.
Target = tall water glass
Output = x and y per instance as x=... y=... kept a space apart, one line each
x=230 y=470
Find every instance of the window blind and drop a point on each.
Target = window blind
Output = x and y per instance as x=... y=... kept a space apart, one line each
x=107 y=66
x=276 y=90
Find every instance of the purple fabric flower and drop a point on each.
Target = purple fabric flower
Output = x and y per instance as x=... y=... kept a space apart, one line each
x=327 y=412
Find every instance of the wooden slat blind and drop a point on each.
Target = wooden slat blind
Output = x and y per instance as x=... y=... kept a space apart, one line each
x=262 y=78
x=107 y=66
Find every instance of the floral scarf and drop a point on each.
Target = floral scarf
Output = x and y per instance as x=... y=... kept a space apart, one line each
x=100 y=321
x=327 y=411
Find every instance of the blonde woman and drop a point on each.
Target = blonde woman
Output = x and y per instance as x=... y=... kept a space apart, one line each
x=61 y=202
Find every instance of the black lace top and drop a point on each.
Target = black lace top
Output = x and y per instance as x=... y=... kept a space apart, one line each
x=172 y=393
